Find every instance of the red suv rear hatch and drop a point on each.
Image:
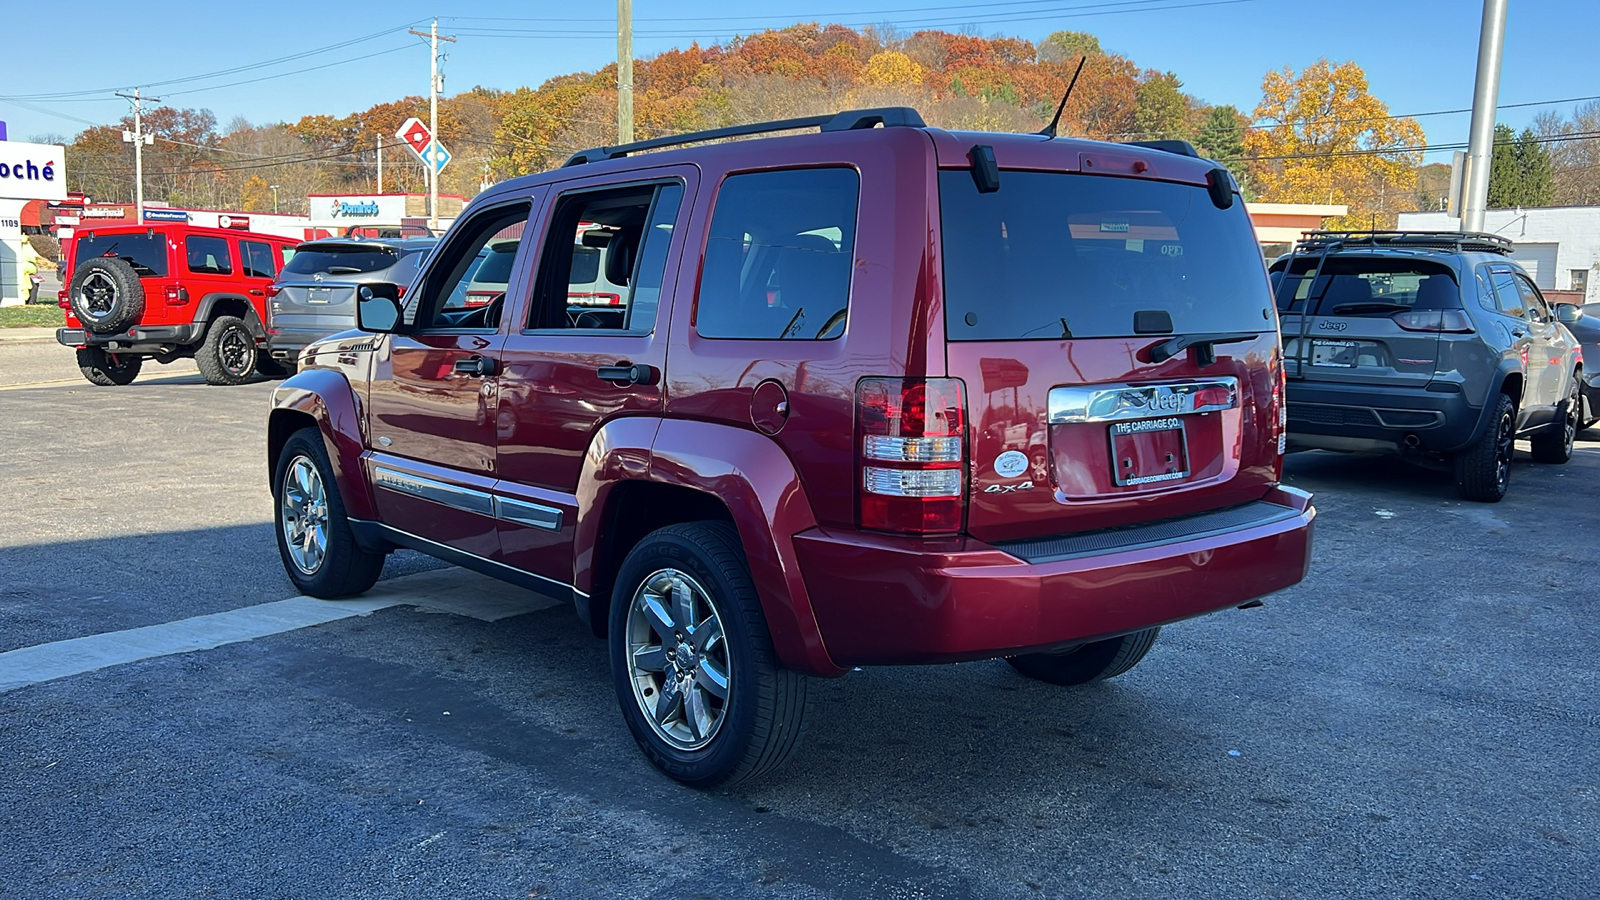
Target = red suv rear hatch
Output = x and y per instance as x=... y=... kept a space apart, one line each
x=1067 y=301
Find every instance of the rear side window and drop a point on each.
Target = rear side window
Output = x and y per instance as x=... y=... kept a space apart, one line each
x=147 y=253
x=338 y=259
x=257 y=259
x=1375 y=286
x=208 y=255
x=1055 y=255
x=779 y=257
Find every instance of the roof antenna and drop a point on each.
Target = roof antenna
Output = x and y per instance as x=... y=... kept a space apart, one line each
x=1050 y=130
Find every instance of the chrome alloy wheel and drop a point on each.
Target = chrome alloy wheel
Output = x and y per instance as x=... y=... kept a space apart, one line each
x=304 y=511
x=678 y=656
x=98 y=293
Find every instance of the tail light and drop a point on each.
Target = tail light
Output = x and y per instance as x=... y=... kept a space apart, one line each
x=1279 y=409
x=1443 y=321
x=177 y=295
x=400 y=291
x=912 y=455
x=273 y=290
x=63 y=298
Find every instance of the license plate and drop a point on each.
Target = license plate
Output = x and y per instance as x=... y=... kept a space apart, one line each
x=1339 y=354
x=1148 y=450
x=319 y=295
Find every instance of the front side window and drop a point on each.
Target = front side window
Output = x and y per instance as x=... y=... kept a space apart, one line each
x=1506 y=294
x=477 y=263
x=208 y=255
x=1532 y=301
x=779 y=256
x=605 y=259
x=257 y=259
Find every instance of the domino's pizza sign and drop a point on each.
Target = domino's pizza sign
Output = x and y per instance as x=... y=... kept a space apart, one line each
x=32 y=171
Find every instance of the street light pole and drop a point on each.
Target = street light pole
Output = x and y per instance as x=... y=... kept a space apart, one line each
x=138 y=139
x=274 y=199
x=1485 y=97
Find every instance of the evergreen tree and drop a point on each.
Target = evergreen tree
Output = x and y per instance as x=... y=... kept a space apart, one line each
x=1520 y=171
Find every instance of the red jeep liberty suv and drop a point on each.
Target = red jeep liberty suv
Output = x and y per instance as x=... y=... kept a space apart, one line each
x=875 y=395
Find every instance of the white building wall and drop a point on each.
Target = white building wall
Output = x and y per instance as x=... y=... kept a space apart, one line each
x=1571 y=232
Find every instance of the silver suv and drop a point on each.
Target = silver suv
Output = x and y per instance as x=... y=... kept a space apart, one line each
x=315 y=292
x=1433 y=346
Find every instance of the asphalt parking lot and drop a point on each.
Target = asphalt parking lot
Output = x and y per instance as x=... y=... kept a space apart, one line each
x=1419 y=718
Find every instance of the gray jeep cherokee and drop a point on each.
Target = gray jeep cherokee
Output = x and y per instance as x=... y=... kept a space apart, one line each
x=1433 y=346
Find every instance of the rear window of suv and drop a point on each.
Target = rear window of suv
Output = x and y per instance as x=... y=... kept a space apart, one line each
x=146 y=252
x=1365 y=286
x=335 y=260
x=1054 y=255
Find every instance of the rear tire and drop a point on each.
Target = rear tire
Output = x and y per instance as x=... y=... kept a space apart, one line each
x=318 y=548
x=1483 y=471
x=695 y=673
x=228 y=354
x=1553 y=444
x=106 y=370
x=106 y=295
x=1088 y=662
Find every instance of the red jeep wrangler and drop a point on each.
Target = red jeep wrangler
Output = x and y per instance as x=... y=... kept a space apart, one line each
x=876 y=395
x=166 y=291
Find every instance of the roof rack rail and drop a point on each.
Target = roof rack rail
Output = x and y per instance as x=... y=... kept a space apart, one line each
x=1181 y=148
x=1457 y=241
x=849 y=120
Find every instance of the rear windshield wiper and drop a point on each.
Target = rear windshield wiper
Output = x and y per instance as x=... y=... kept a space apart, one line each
x=1369 y=308
x=343 y=270
x=1204 y=344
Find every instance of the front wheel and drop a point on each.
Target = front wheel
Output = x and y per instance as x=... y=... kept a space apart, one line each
x=318 y=548
x=1553 y=444
x=108 y=369
x=692 y=662
x=228 y=353
x=1087 y=662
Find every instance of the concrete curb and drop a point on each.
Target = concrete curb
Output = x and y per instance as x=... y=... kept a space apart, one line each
x=27 y=335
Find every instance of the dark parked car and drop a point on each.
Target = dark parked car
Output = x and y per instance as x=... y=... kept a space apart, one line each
x=875 y=396
x=1584 y=323
x=315 y=293
x=1435 y=346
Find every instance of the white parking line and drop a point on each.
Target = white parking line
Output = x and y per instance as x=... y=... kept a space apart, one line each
x=454 y=591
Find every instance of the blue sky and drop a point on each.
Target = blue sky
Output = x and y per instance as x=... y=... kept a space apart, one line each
x=1418 y=54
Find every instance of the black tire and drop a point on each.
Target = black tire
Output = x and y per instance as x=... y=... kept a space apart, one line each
x=228 y=355
x=268 y=367
x=106 y=295
x=345 y=568
x=757 y=725
x=1553 y=443
x=1483 y=471
x=105 y=369
x=1088 y=662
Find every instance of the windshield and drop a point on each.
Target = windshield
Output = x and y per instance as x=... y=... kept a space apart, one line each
x=339 y=260
x=1055 y=255
x=1365 y=286
x=146 y=252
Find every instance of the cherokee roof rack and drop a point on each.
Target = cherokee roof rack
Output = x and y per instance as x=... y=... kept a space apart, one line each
x=1460 y=242
x=849 y=120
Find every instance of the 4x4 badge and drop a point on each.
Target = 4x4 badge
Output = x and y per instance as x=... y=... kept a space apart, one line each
x=1008 y=488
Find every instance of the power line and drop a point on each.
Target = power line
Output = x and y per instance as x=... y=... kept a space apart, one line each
x=1385 y=151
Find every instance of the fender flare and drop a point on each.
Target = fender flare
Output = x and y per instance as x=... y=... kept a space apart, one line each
x=327 y=397
x=751 y=476
x=1506 y=369
x=252 y=317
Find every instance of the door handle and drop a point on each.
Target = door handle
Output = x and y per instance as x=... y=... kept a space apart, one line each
x=479 y=366
x=1519 y=332
x=257 y=293
x=629 y=373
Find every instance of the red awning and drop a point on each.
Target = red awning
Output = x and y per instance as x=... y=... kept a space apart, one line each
x=30 y=213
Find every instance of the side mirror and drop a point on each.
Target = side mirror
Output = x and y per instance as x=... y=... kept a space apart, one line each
x=1568 y=314
x=378 y=308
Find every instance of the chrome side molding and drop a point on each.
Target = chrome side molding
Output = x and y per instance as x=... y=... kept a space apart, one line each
x=1114 y=402
x=505 y=509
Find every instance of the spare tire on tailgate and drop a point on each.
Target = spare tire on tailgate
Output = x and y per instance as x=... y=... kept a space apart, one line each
x=106 y=295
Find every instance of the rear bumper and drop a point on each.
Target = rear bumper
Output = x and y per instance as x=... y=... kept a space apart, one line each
x=286 y=343
x=881 y=600
x=1435 y=421
x=138 y=339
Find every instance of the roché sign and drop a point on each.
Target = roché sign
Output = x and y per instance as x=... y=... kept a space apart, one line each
x=32 y=171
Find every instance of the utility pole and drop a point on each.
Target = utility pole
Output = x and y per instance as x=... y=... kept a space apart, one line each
x=379 y=141
x=434 y=87
x=1485 y=97
x=624 y=71
x=274 y=198
x=138 y=139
